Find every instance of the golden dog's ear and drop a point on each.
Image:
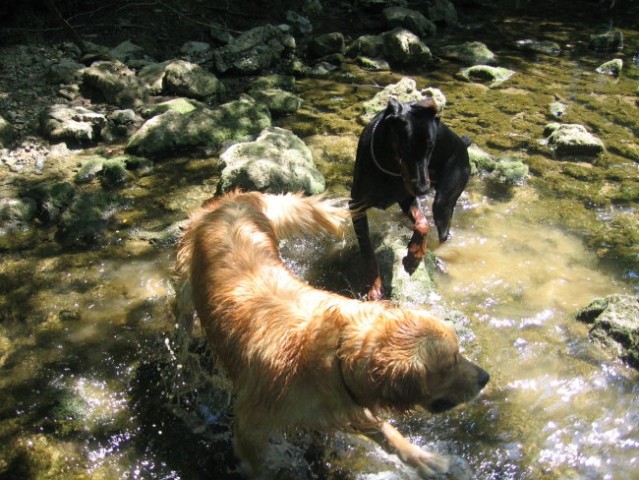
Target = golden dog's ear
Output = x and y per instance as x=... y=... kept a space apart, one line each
x=401 y=383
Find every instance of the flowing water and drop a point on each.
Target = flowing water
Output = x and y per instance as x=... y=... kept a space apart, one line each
x=96 y=383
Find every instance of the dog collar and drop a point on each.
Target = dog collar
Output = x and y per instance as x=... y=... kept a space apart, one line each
x=387 y=172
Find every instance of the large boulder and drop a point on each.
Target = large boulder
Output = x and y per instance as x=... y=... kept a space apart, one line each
x=276 y=162
x=256 y=50
x=402 y=47
x=572 y=140
x=172 y=132
x=113 y=82
x=615 y=325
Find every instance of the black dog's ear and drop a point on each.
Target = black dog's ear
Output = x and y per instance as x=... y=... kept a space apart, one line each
x=394 y=108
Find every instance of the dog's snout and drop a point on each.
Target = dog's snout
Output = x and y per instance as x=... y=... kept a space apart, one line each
x=482 y=377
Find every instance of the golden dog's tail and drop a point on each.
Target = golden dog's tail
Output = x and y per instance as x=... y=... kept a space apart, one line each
x=296 y=215
x=289 y=214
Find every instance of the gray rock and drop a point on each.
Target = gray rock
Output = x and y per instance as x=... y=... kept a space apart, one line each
x=7 y=133
x=301 y=23
x=326 y=44
x=276 y=162
x=127 y=51
x=192 y=81
x=276 y=100
x=179 y=105
x=411 y=20
x=372 y=64
x=571 y=139
x=195 y=49
x=610 y=41
x=172 y=132
x=73 y=124
x=469 y=53
x=442 y=12
x=65 y=71
x=179 y=77
x=112 y=82
x=16 y=213
x=380 y=4
x=615 y=325
x=254 y=51
x=367 y=46
x=403 y=47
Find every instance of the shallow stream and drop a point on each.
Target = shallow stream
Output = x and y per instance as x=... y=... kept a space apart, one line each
x=95 y=383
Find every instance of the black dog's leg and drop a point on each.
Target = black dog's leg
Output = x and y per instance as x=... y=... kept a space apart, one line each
x=417 y=244
x=448 y=192
x=374 y=287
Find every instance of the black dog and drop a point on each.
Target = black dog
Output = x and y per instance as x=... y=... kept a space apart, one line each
x=401 y=154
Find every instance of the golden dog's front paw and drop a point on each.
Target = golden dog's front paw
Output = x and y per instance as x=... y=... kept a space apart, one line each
x=429 y=465
x=434 y=466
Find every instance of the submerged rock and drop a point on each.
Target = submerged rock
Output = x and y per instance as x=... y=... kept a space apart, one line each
x=276 y=162
x=615 y=325
x=613 y=67
x=539 y=46
x=486 y=73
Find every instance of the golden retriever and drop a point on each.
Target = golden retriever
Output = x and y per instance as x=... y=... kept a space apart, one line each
x=301 y=356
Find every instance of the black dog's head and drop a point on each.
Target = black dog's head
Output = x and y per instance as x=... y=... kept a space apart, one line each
x=413 y=131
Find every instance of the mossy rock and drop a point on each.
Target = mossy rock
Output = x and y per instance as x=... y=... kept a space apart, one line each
x=114 y=174
x=469 y=53
x=615 y=325
x=52 y=200
x=88 y=218
x=486 y=73
x=89 y=169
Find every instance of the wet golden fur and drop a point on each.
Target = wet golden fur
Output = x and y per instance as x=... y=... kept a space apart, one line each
x=301 y=356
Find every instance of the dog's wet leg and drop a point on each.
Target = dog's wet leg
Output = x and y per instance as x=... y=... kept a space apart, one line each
x=250 y=442
x=417 y=244
x=372 y=276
